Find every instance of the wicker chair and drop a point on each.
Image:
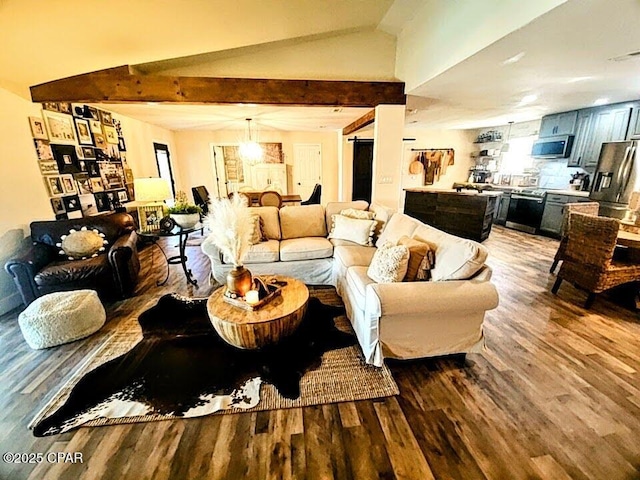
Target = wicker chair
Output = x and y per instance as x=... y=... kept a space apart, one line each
x=270 y=198
x=588 y=258
x=588 y=208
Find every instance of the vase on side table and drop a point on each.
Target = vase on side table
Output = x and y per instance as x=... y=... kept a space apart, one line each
x=186 y=220
x=239 y=281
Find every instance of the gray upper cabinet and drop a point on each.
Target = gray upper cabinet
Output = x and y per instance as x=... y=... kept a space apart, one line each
x=609 y=124
x=634 y=125
x=583 y=128
x=558 y=124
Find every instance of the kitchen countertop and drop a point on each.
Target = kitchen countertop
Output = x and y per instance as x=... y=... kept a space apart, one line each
x=450 y=191
x=573 y=193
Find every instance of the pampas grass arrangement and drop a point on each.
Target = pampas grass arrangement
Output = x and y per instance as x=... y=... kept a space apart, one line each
x=231 y=226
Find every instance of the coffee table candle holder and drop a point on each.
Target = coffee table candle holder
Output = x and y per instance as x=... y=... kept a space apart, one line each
x=263 y=292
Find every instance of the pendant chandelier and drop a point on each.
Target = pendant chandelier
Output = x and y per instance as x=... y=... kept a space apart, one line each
x=250 y=150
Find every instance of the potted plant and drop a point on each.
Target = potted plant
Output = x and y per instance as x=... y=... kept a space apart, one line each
x=185 y=214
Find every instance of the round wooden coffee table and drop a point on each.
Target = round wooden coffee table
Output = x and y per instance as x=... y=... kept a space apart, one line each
x=265 y=326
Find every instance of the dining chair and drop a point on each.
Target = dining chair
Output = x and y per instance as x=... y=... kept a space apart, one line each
x=588 y=259
x=241 y=195
x=270 y=198
x=588 y=208
x=314 y=198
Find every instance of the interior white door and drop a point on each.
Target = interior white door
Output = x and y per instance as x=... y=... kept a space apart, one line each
x=307 y=168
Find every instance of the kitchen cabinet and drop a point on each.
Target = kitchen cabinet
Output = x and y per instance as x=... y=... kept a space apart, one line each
x=553 y=214
x=269 y=176
x=634 y=125
x=609 y=124
x=502 y=208
x=583 y=127
x=558 y=124
x=464 y=214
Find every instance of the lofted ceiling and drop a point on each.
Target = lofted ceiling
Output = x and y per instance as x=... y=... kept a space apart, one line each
x=44 y=41
x=561 y=58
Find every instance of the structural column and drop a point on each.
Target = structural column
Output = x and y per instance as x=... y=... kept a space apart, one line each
x=387 y=155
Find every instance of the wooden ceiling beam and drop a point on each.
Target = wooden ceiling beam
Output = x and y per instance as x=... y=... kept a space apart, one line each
x=367 y=119
x=124 y=85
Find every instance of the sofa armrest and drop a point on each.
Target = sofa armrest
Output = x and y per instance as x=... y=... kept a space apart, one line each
x=23 y=268
x=123 y=258
x=429 y=298
x=213 y=252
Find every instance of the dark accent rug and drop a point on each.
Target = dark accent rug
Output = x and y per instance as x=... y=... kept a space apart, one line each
x=181 y=368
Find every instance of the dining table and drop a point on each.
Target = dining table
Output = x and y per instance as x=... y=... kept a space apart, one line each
x=628 y=243
x=254 y=195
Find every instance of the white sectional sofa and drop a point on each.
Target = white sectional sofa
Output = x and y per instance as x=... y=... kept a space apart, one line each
x=399 y=320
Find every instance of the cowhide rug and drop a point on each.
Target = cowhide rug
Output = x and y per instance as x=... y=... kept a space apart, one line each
x=182 y=368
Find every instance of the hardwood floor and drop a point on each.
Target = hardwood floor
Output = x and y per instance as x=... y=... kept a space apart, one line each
x=556 y=395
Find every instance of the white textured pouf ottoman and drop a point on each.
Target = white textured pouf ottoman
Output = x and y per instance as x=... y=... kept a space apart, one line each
x=61 y=317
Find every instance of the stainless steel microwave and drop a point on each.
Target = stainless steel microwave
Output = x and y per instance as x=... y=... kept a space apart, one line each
x=553 y=147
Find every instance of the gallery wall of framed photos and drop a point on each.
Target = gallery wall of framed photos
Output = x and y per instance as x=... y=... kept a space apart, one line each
x=82 y=156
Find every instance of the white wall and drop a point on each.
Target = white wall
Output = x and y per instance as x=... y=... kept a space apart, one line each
x=460 y=140
x=23 y=194
x=193 y=150
x=139 y=138
x=443 y=33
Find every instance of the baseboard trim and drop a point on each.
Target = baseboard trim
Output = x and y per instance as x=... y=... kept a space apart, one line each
x=10 y=302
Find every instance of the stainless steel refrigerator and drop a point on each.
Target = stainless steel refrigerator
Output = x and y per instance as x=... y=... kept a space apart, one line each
x=617 y=175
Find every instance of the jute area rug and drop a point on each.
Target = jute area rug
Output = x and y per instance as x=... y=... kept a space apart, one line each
x=132 y=379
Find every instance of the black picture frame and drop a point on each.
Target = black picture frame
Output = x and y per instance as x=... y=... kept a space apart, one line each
x=93 y=168
x=123 y=195
x=102 y=201
x=88 y=153
x=121 y=145
x=58 y=205
x=71 y=203
x=106 y=118
x=91 y=112
x=66 y=158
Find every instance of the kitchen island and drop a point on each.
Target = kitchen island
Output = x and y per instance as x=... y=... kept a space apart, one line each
x=467 y=214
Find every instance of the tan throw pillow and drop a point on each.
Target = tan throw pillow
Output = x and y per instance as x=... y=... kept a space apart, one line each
x=417 y=252
x=82 y=244
x=256 y=232
x=389 y=264
x=359 y=214
x=353 y=229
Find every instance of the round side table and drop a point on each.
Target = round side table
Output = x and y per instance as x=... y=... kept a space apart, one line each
x=265 y=326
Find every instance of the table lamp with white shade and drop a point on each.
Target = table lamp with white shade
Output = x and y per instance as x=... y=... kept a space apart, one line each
x=150 y=196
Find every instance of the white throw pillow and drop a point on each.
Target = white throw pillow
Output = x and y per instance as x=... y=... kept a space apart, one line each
x=360 y=214
x=389 y=264
x=355 y=230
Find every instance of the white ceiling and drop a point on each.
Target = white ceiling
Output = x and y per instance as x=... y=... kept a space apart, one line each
x=573 y=41
x=566 y=64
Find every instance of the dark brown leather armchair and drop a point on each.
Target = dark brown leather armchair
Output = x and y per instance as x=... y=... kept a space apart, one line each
x=41 y=269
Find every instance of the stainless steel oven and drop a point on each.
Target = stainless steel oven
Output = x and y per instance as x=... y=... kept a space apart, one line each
x=525 y=210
